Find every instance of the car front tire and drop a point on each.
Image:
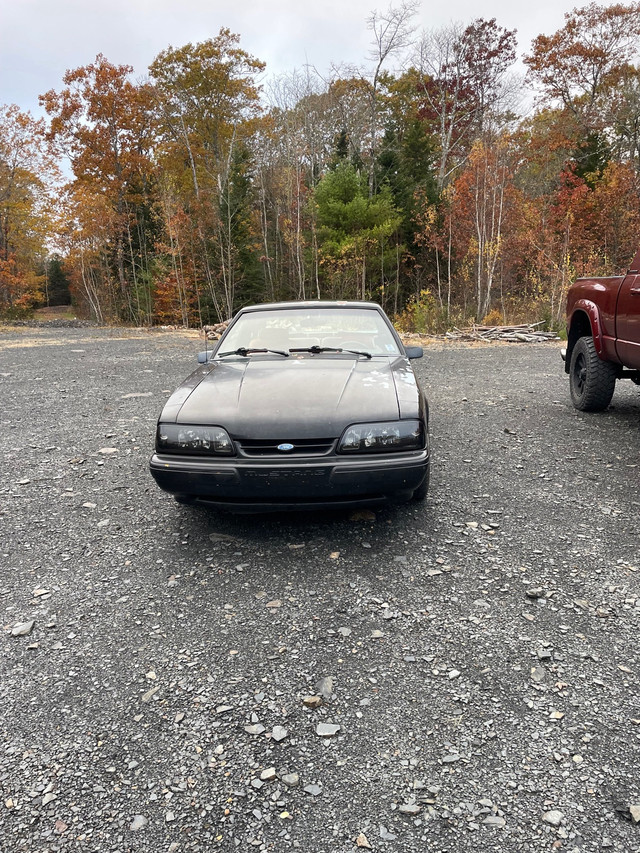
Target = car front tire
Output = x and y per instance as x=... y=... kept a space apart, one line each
x=591 y=380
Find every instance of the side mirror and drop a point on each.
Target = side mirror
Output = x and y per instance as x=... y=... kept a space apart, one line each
x=203 y=357
x=414 y=352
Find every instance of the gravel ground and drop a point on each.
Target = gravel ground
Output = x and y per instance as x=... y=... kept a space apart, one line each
x=478 y=654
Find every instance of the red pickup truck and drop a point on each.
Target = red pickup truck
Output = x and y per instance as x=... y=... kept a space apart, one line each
x=603 y=336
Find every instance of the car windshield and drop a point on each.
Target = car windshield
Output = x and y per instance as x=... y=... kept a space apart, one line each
x=323 y=329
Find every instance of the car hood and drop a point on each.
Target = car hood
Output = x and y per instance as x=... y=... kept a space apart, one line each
x=308 y=397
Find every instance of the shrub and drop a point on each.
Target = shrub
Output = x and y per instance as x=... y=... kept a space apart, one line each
x=424 y=315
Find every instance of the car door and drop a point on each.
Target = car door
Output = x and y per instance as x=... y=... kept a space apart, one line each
x=628 y=321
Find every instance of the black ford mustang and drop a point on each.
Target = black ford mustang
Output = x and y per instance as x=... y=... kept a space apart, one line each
x=300 y=405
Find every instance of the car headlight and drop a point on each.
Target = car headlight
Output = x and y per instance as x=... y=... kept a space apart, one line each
x=184 y=438
x=382 y=437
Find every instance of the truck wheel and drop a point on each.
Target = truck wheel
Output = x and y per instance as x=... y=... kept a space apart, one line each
x=591 y=380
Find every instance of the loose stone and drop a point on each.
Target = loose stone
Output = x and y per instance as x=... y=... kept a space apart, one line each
x=538 y=674
x=494 y=820
x=268 y=775
x=23 y=629
x=148 y=696
x=327 y=729
x=535 y=592
x=324 y=688
x=410 y=809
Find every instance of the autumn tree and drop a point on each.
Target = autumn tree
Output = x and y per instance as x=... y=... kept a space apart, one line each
x=102 y=123
x=27 y=179
x=207 y=102
x=481 y=198
x=620 y=107
x=588 y=54
x=586 y=68
x=462 y=72
x=292 y=154
x=84 y=224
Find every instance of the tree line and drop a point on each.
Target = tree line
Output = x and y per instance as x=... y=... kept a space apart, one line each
x=423 y=180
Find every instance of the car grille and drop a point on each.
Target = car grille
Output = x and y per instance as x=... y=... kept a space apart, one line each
x=301 y=447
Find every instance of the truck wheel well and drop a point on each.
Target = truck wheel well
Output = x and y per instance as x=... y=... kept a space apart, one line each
x=580 y=328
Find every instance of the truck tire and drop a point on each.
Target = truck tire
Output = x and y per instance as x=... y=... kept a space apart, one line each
x=591 y=380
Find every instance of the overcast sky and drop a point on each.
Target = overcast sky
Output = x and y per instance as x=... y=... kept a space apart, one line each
x=41 y=39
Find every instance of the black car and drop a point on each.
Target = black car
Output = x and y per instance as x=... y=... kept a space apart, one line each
x=299 y=405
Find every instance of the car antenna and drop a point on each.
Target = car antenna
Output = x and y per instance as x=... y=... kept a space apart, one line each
x=206 y=349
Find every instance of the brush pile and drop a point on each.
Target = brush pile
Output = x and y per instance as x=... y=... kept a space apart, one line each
x=525 y=333
x=214 y=333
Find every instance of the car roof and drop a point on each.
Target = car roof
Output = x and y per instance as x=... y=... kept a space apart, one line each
x=317 y=303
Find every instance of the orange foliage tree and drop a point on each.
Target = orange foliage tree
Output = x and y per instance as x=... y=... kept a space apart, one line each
x=27 y=174
x=207 y=106
x=103 y=123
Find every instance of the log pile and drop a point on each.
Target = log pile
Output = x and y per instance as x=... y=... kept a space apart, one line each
x=214 y=333
x=524 y=333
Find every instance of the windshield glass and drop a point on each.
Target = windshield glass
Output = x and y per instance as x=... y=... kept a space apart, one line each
x=299 y=328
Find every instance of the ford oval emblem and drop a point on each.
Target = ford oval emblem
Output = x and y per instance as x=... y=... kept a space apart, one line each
x=285 y=447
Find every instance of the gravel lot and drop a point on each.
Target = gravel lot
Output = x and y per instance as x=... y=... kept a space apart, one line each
x=479 y=652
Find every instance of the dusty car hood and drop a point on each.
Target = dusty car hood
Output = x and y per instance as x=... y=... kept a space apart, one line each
x=297 y=397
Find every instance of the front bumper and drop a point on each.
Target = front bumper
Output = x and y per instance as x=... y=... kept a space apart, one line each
x=247 y=485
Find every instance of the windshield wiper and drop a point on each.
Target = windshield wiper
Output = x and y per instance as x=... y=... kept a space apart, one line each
x=316 y=350
x=243 y=351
